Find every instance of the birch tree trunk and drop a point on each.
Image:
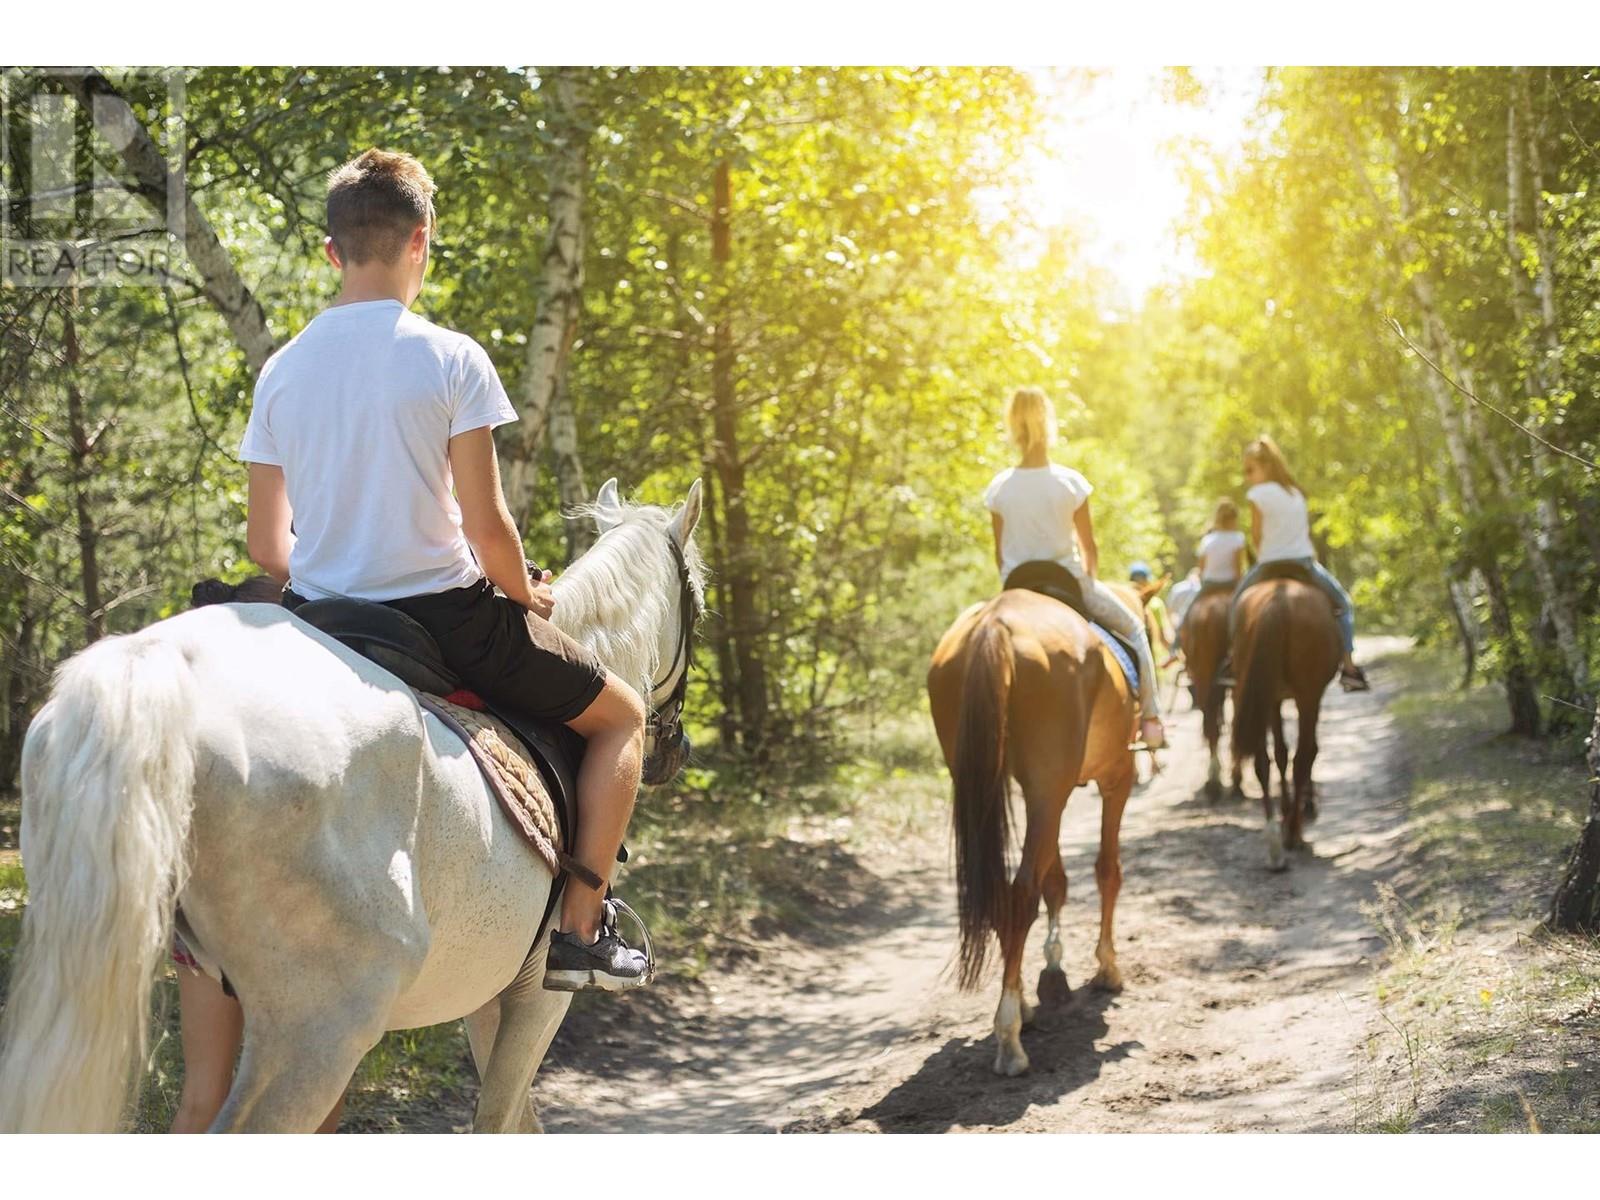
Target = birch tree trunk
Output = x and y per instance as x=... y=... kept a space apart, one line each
x=219 y=279
x=1521 y=697
x=560 y=292
x=1546 y=376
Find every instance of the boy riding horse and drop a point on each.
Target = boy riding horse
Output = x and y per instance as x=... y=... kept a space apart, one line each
x=373 y=475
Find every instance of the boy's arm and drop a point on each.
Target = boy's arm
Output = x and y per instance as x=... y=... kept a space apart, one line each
x=268 y=534
x=487 y=523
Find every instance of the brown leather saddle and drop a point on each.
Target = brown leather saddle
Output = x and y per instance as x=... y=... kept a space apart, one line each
x=1050 y=578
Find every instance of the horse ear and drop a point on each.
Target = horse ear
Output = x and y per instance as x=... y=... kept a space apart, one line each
x=608 y=506
x=683 y=525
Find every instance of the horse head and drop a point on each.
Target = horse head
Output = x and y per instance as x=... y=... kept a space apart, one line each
x=634 y=599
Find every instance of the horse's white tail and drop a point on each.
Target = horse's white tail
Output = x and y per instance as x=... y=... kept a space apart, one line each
x=107 y=792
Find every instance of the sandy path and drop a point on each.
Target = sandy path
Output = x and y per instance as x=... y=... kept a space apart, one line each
x=1247 y=998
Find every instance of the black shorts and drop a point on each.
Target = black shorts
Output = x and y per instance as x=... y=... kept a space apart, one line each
x=503 y=652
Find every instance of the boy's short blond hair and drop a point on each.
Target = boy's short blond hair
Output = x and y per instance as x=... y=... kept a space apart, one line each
x=375 y=202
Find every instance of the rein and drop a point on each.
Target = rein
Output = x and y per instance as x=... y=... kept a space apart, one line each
x=666 y=716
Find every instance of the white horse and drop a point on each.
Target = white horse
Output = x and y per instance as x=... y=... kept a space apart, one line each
x=333 y=846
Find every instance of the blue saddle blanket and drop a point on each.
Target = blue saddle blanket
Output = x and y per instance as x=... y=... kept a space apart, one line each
x=1119 y=651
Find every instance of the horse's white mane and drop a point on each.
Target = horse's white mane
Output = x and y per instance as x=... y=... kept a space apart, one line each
x=619 y=598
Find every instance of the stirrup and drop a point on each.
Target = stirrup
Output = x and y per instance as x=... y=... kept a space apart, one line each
x=614 y=905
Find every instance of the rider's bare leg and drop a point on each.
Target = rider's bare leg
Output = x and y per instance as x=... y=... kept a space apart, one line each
x=608 y=781
x=211 y=1027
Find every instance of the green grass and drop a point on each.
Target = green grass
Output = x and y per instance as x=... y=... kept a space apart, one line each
x=1486 y=1023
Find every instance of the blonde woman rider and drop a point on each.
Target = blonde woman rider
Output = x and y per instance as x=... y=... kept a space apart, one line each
x=1280 y=531
x=1040 y=511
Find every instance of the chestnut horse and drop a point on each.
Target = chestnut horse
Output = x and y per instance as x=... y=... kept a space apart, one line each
x=1286 y=645
x=1022 y=689
x=1204 y=640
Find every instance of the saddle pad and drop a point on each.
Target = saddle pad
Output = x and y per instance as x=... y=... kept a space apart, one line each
x=1119 y=651
x=517 y=782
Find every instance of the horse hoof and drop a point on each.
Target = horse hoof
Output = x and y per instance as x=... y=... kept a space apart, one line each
x=1009 y=1061
x=1107 y=979
x=1054 y=991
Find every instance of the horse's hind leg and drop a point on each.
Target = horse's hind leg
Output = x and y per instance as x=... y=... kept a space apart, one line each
x=1053 y=987
x=295 y=1067
x=1280 y=754
x=1305 y=755
x=1045 y=796
x=1114 y=792
x=528 y=1019
x=1272 y=835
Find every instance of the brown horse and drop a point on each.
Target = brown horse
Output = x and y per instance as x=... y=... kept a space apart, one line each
x=1286 y=645
x=1204 y=640
x=1022 y=689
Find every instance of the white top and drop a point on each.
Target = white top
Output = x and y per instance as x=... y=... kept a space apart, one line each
x=1285 y=524
x=359 y=410
x=1217 y=553
x=1036 y=506
x=1183 y=595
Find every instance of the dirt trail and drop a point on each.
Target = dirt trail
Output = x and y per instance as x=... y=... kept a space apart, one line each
x=1247 y=998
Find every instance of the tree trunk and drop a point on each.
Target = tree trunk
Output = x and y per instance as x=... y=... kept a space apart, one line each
x=560 y=290
x=20 y=684
x=1575 y=907
x=82 y=449
x=721 y=632
x=219 y=280
x=731 y=476
x=580 y=530
x=1461 y=610
x=1544 y=379
x=1521 y=697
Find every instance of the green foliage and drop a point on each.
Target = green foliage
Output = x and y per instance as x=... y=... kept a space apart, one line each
x=884 y=290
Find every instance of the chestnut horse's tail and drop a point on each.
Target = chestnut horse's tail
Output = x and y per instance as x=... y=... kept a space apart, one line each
x=982 y=812
x=1260 y=652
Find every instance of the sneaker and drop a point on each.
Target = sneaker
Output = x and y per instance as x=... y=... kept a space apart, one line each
x=1354 y=679
x=1154 y=733
x=608 y=964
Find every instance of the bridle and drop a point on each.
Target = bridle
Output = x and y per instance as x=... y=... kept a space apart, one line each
x=664 y=728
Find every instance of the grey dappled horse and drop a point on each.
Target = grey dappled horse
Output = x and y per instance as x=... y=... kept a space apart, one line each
x=330 y=842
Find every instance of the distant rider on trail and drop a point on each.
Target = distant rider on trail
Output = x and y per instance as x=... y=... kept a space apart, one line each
x=1280 y=531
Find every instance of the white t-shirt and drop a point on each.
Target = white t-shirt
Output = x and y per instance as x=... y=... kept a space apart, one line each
x=1285 y=524
x=1217 y=552
x=359 y=410
x=1036 y=506
x=1183 y=595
